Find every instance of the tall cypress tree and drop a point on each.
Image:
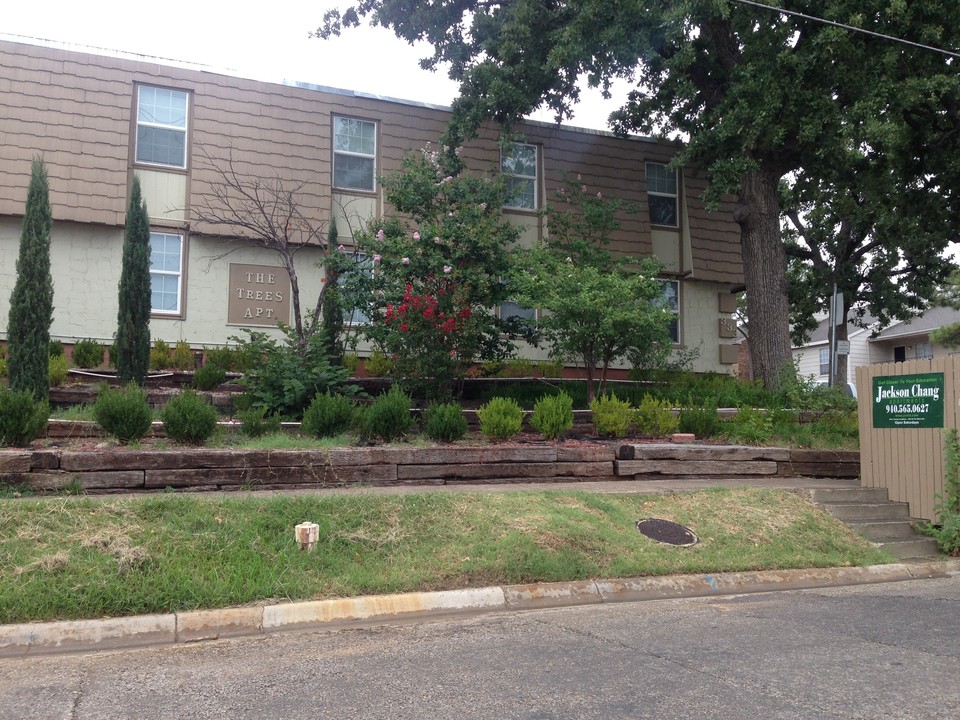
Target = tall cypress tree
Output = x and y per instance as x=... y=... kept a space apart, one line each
x=31 y=304
x=133 y=317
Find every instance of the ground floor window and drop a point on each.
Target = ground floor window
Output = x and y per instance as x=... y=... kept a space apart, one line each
x=670 y=295
x=509 y=310
x=166 y=273
x=824 y=361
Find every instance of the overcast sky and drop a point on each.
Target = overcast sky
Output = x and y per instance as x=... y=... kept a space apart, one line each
x=266 y=41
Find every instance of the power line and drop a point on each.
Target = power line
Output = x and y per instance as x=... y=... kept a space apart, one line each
x=847 y=27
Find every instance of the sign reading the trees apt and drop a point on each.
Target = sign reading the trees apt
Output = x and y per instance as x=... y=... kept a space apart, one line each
x=259 y=296
x=908 y=401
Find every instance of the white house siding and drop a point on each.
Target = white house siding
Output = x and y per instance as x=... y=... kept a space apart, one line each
x=808 y=357
x=85 y=263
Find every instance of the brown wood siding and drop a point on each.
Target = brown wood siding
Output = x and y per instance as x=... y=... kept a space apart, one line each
x=75 y=110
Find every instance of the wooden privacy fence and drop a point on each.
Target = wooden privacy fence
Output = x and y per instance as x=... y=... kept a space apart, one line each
x=901 y=430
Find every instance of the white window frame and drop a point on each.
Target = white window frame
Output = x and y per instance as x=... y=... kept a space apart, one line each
x=675 y=311
x=517 y=179
x=178 y=274
x=658 y=187
x=924 y=351
x=824 y=361
x=337 y=119
x=169 y=127
x=353 y=317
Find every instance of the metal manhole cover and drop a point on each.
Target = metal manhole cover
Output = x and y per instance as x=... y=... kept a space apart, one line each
x=667 y=531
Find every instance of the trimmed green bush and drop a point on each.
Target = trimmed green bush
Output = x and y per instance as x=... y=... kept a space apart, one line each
x=133 y=307
x=751 y=426
x=58 y=370
x=389 y=418
x=22 y=418
x=703 y=422
x=445 y=422
x=208 y=377
x=160 y=355
x=655 y=418
x=258 y=421
x=228 y=357
x=377 y=365
x=87 y=353
x=553 y=415
x=123 y=413
x=56 y=348
x=328 y=415
x=500 y=419
x=188 y=418
x=182 y=356
x=611 y=416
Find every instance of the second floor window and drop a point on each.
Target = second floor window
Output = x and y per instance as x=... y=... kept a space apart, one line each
x=354 y=154
x=521 y=165
x=662 y=195
x=161 y=126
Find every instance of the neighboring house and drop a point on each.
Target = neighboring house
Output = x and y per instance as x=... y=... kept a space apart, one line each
x=904 y=340
x=98 y=120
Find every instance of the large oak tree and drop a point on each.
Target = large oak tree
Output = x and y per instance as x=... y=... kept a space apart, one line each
x=757 y=94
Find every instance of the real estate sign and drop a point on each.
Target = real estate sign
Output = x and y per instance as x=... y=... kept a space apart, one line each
x=908 y=401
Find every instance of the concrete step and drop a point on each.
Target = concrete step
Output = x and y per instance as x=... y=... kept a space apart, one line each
x=865 y=511
x=825 y=496
x=884 y=530
x=919 y=547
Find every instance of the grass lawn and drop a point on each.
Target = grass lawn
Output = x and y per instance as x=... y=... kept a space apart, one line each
x=69 y=558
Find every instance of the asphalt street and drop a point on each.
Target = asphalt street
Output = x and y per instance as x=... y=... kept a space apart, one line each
x=868 y=651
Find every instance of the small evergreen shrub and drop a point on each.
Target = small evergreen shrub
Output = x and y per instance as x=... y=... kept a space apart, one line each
x=389 y=418
x=655 y=418
x=188 y=418
x=703 y=422
x=58 y=370
x=553 y=415
x=500 y=419
x=182 y=356
x=159 y=355
x=377 y=365
x=611 y=416
x=445 y=422
x=3 y=361
x=112 y=355
x=87 y=353
x=328 y=415
x=258 y=421
x=243 y=401
x=946 y=505
x=208 y=376
x=123 y=413
x=22 y=418
x=229 y=358
x=56 y=348
x=351 y=361
x=751 y=426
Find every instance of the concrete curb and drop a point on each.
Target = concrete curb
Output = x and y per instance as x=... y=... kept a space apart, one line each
x=195 y=626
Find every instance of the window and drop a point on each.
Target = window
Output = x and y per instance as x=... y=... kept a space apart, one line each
x=521 y=165
x=161 y=126
x=662 y=194
x=166 y=273
x=364 y=266
x=924 y=351
x=671 y=302
x=510 y=310
x=354 y=154
x=824 y=361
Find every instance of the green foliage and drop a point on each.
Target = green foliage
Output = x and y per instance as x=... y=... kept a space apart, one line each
x=611 y=416
x=947 y=504
x=351 y=362
x=188 y=418
x=500 y=419
x=751 y=426
x=31 y=303
x=655 y=418
x=231 y=359
x=703 y=422
x=553 y=415
x=287 y=376
x=87 y=353
x=377 y=365
x=56 y=348
x=445 y=422
x=57 y=369
x=22 y=418
x=182 y=356
x=331 y=309
x=388 y=418
x=208 y=376
x=160 y=357
x=133 y=315
x=123 y=413
x=3 y=361
x=423 y=286
x=328 y=415
x=258 y=421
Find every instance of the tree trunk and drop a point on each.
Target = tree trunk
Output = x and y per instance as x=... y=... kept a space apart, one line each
x=765 y=274
x=840 y=371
